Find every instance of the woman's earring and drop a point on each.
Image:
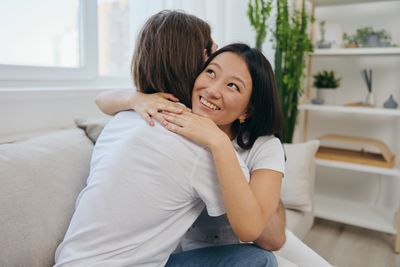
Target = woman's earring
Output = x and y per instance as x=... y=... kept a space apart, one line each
x=241 y=121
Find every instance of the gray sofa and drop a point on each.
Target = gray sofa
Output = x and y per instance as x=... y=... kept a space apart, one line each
x=40 y=179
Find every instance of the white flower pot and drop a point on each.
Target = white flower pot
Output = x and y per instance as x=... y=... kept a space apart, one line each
x=328 y=95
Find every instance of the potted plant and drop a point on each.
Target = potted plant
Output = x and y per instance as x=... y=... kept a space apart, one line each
x=349 y=41
x=291 y=43
x=323 y=44
x=384 y=38
x=326 y=82
x=367 y=37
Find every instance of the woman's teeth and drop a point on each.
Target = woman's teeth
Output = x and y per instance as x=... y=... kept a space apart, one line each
x=208 y=104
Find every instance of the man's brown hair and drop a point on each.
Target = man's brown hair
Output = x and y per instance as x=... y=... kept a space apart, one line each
x=169 y=54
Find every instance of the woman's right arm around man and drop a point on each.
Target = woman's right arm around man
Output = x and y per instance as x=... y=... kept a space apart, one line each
x=147 y=105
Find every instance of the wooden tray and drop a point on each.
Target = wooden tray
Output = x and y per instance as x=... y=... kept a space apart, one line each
x=385 y=158
x=351 y=156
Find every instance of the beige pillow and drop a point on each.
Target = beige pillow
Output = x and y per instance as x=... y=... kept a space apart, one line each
x=39 y=181
x=298 y=184
x=92 y=126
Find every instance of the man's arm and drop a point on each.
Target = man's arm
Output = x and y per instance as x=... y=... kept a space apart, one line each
x=273 y=236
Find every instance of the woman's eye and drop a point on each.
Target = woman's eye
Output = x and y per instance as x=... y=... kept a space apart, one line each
x=210 y=73
x=234 y=86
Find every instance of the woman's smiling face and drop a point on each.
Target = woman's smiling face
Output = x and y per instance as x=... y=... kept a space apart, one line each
x=222 y=91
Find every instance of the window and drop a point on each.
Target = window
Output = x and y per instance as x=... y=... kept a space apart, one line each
x=47 y=40
x=119 y=22
x=45 y=34
x=115 y=38
x=91 y=42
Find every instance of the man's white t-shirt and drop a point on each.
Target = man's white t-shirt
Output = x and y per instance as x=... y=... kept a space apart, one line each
x=146 y=187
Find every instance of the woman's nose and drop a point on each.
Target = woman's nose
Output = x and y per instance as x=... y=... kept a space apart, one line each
x=214 y=90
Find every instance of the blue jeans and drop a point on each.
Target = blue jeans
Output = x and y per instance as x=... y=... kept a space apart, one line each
x=237 y=255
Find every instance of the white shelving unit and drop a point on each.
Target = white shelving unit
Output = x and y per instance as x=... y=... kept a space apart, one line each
x=386 y=51
x=355 y=110
x=351 y=212
x=358 y=167
x=354 y=213
x=336 y=208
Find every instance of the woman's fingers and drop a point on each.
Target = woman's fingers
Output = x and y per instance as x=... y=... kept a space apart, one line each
x=178 y=120
x=147 y=118
x=169 y=97
x=171 y=107
x=174 y=128
x=160 y=118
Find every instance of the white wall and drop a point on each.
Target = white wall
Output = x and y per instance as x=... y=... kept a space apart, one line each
x=368 y=188
x=23 y=113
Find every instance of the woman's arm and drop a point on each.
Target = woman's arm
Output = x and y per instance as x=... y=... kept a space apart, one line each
x=249 y=206
x=112 y=102
x=146 y=105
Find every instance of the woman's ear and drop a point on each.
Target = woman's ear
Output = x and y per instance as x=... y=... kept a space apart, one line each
x=242 y=118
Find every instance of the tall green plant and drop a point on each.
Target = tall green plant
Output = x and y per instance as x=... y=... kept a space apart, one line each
x=291 y=45
x=258 y=12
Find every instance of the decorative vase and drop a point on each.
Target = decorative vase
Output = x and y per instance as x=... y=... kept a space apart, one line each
x=390 y=103
x=370 y=100
x=371 y=40
x=327 y=95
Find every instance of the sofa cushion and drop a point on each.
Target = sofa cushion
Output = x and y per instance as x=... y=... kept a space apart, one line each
x=299 y=222
x=92 y=126
x=39 y=181
x=298 y=184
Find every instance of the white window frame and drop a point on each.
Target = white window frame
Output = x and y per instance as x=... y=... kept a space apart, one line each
x=88 y=54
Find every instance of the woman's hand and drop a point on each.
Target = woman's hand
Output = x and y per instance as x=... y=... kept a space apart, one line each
x=149 y=106
x=146 y=105
x=200 y=130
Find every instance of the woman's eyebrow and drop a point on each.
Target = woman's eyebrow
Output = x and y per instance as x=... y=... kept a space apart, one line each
x=239 y=80
x=215 y=64
x=232 y=76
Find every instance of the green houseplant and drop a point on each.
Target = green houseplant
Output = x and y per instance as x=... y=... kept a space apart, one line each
x=258 y=12
x=326 y=82
x=368 y=37
x=292 y=43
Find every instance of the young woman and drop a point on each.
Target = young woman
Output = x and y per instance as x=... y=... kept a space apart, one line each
x=137 y=204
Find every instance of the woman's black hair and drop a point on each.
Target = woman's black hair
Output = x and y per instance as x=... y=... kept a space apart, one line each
x=265 y=113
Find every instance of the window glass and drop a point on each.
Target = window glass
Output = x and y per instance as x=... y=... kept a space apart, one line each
x=40 y=33
x=115 y=37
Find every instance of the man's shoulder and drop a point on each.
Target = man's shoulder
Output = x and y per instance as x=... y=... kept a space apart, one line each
x=129 y=126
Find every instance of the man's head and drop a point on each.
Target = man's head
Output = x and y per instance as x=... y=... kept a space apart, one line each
x=169 y=54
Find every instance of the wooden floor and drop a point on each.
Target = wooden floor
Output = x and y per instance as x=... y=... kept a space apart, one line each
x=349 y=246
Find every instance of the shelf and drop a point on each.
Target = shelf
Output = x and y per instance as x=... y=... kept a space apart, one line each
x=354 y=213
x=357 y=167
x=357 y=110
x=341 y=2
x=376 y=51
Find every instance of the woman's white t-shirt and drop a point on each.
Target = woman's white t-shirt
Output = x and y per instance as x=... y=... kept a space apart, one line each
x=266 y=153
